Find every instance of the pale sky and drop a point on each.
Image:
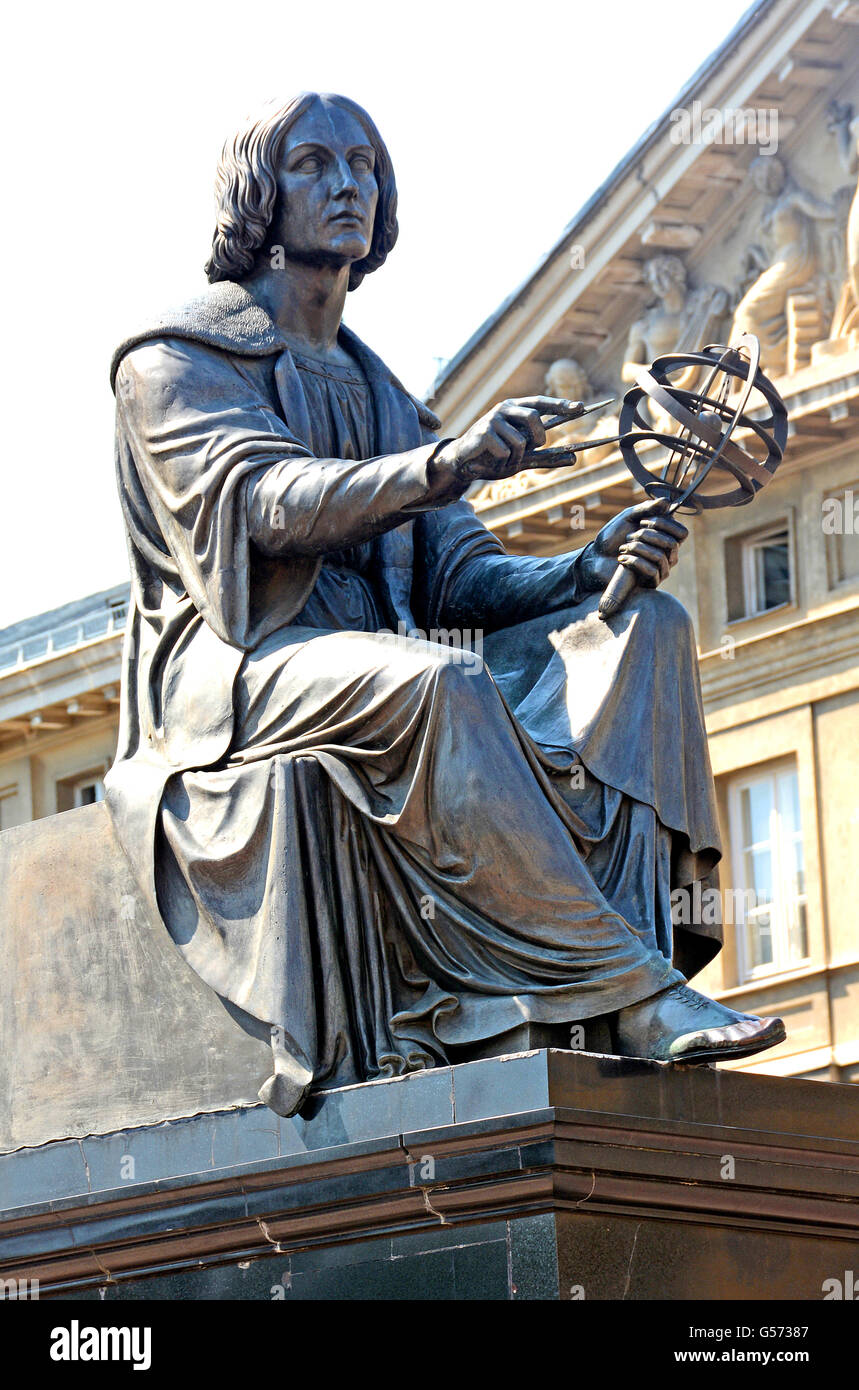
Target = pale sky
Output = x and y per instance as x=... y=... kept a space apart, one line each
x=501 y=118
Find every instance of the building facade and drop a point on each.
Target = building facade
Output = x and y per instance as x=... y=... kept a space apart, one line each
x=734 y=211
x=59 y=706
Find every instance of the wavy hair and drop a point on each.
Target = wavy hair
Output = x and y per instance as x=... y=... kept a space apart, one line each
x=246 y=191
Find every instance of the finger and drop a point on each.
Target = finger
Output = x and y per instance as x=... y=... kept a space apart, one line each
x=494 y=446
x=649 y=553
x=651 y=506
x=640 y=547
x=647 y=573
x=654 y=511
x=527 y=421
x=651 y=536
x=669 y=525
x=515 y=441
x=550 y=405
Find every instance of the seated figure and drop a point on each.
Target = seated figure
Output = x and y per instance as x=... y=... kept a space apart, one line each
x=377 y=844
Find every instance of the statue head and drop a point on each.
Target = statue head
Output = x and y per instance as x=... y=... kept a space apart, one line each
x=313 y=176
x=567 y=379
x=768 y=174
x=665 y=273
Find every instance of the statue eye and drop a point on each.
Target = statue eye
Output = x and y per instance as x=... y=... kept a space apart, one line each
x=361 y=161
x=309 y=164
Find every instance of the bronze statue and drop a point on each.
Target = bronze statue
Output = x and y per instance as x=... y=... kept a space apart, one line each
x=375 y=842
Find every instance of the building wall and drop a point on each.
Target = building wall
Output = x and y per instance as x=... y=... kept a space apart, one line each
x=34 y=785
x=59 y=703
x=769 y=702
x=781 y=688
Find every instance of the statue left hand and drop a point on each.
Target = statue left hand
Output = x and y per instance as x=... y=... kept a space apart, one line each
x=642 y=538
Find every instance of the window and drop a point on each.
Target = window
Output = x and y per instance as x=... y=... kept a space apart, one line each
x=766 y=571
x=88 y=791
x=769 y=898
x=83 y=789
x=759 y=570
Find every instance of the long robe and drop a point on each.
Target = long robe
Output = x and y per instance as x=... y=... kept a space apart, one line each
x=376 y=844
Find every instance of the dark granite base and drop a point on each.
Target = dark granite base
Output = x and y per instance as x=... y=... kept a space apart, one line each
x=486 y=1261
x=544 y=1176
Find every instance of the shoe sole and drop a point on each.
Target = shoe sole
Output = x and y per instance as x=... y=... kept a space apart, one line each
x=770 y=1036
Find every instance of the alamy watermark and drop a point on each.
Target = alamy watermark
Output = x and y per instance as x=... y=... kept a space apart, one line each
x=840 y=515
x=841 y=1290
x=713 y=906
x=77 y=1343
x=726 y=125
x=464 y=644
x=15 y=1289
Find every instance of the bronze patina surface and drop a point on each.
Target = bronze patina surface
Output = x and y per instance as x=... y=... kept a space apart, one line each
x=392 y=790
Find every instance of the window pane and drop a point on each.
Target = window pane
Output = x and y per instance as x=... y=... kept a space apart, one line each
x=788 y=802
x=772 y=572
x=793 y=869
x=797 y=933
x=758 y=866
x=769 y=869
x=760 y=941
x=757 y=805
x=792 y=860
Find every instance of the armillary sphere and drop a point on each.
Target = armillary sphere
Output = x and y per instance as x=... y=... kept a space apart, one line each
x=706 y=466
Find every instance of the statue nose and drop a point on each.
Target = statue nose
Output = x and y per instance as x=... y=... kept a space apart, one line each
x=345 y=183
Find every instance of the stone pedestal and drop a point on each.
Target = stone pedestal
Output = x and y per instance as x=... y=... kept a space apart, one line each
x=102 y=1022
x=547 y=1175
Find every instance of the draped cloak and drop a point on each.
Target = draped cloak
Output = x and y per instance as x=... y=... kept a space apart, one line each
x=376 y=843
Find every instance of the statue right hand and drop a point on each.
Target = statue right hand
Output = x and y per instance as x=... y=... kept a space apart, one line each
x=496 y=444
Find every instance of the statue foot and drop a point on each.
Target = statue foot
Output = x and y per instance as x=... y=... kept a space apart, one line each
x=680 y=1025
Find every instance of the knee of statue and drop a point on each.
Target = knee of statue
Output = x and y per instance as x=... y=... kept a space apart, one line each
x=458 y=666
x=660 y=611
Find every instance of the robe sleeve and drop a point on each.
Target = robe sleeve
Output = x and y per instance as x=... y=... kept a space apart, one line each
x=223 y=477
x=471 y=581
x=305 y=506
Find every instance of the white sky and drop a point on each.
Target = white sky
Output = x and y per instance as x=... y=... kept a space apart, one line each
x=501 y=118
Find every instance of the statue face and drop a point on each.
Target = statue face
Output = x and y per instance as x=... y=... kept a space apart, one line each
x=664 y=273
x=327 y=191
x=566 y=378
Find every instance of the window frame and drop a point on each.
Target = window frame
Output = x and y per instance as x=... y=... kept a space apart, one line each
x=89 y=779
x=749 y=546
x=781 y=964
x=737 y=551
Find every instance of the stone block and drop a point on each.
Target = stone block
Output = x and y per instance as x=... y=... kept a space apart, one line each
x=103 y=1026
